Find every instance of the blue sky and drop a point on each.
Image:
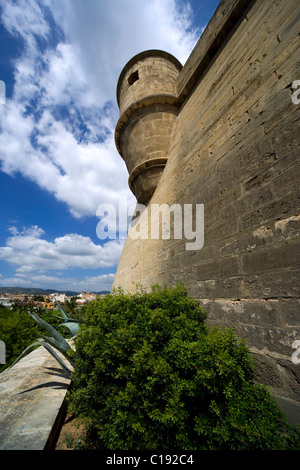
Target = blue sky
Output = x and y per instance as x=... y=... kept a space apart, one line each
x=60 y=61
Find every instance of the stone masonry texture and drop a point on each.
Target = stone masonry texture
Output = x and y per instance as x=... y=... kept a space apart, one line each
x=234 y=145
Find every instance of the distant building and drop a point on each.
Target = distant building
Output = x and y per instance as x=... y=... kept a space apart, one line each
x=59 y=297
x=48 y=306
x=5 y=302
x=87 y=296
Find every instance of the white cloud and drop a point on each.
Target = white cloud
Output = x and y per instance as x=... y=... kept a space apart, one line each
x=107 y=34
x=81 y=175
x=64 y=82
x=39 y=262
x=95 y=283
x=58 y=128
x=31 y=253
x=25 y=19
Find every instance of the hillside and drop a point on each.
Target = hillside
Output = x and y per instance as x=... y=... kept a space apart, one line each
x=37 y=291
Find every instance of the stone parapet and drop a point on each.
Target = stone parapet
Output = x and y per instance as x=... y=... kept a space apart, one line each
x=32 y=402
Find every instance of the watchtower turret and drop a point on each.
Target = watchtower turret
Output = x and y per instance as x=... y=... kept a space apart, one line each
x=146 y=95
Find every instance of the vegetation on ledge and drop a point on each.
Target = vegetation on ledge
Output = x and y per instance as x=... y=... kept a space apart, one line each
x=150 y=375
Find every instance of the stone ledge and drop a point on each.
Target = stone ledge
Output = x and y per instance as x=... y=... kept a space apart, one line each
x=225 y=20
x=32 y=401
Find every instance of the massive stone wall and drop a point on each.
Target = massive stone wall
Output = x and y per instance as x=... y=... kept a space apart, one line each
x=235 y=148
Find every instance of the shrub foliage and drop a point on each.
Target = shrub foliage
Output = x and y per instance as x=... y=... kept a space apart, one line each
x=151 y=375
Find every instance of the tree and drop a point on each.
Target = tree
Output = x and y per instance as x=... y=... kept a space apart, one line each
x=150 y=375
x=38 y=298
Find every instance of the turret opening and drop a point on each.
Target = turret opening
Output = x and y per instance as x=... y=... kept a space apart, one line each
x=133 y=77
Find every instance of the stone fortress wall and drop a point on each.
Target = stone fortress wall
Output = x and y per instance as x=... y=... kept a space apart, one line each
x=223 y=131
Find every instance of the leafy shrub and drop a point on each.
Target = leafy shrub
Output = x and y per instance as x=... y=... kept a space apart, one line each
x=150 y=375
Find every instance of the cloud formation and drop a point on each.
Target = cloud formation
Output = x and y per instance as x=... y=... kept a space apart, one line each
x=57 y=127
x=34 y=257
x=30 y=252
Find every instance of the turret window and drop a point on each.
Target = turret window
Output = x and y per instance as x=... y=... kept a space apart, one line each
x=133 y=78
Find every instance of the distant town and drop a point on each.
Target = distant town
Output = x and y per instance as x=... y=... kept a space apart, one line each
x=46 y=301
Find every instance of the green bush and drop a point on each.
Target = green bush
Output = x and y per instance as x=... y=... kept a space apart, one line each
x=150 y=375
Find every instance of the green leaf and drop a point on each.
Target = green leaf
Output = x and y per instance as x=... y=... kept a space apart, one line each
x=61 y=346
x=72 y=326
x=56 y=356
x=42 y=342
x=64 y=314
x=25 y=352
x=56 y=335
